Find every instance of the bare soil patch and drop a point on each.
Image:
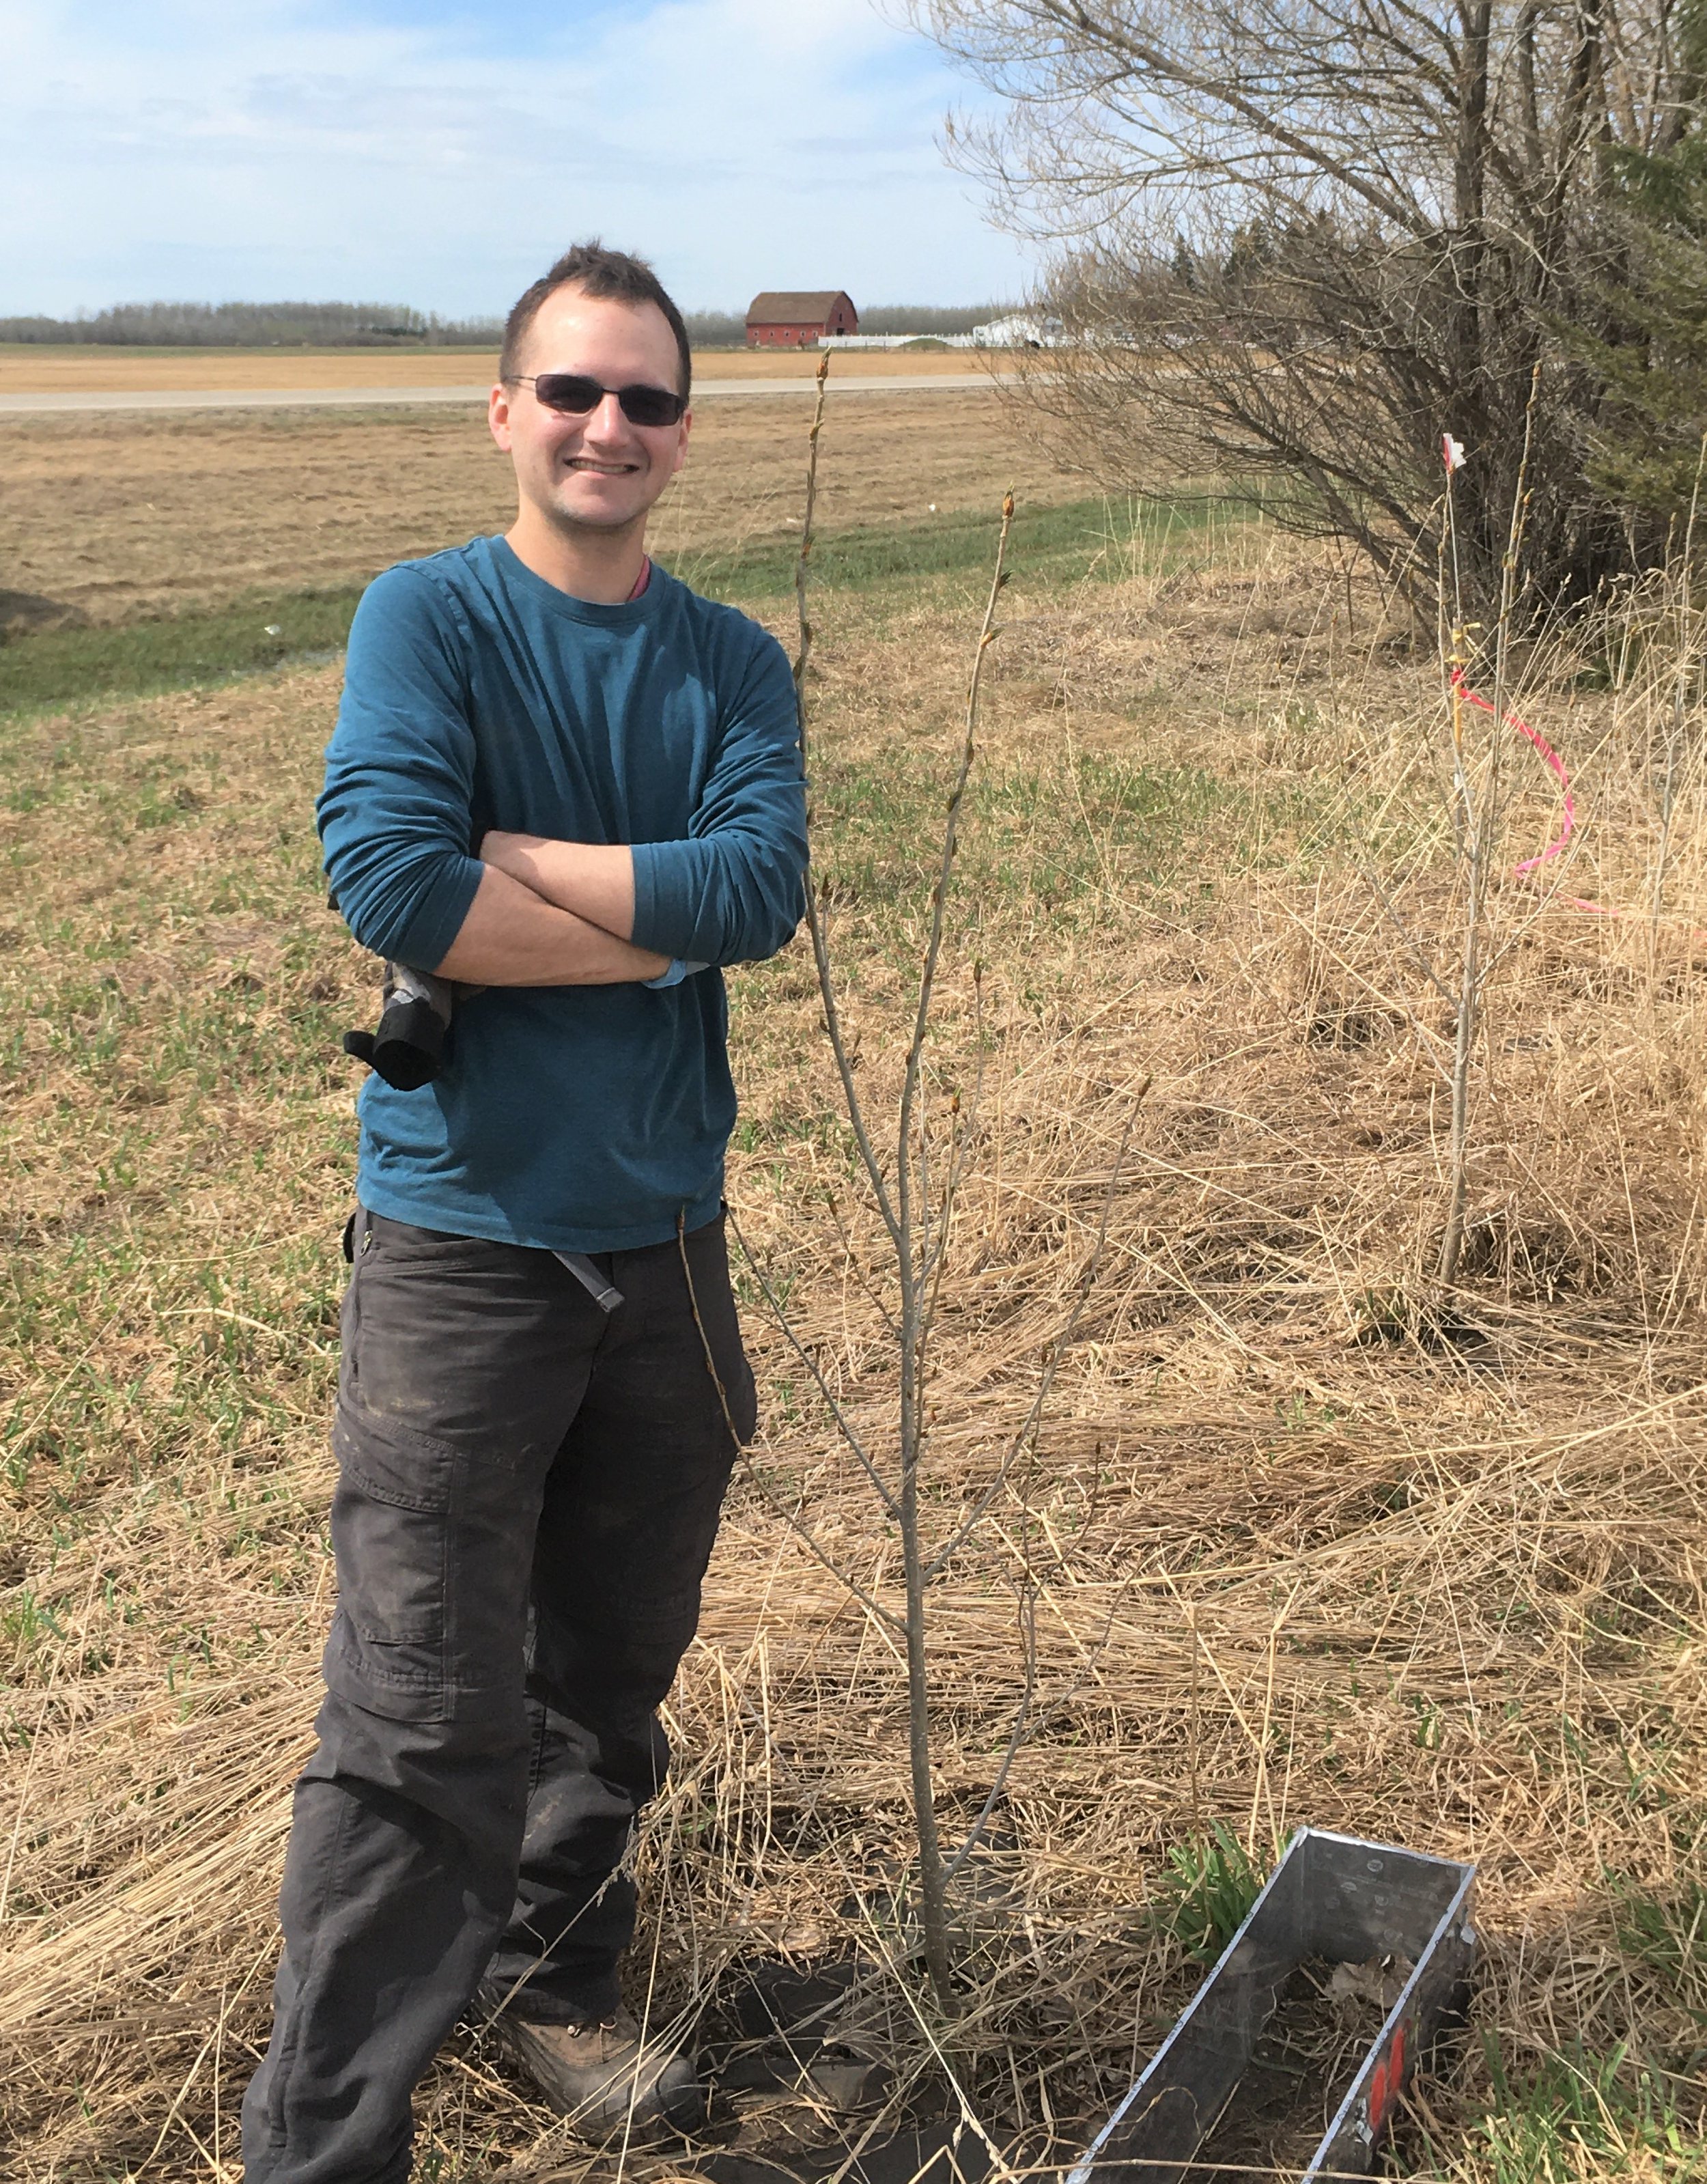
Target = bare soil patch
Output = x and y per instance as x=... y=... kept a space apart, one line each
x=1301 y=2069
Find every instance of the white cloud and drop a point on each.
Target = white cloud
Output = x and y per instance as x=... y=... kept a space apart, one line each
x=191 y=149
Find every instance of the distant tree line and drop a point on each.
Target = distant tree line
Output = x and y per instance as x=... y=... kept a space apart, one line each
x=259 y=326
x=928 y=318
x=716 y=329
x=389 y=326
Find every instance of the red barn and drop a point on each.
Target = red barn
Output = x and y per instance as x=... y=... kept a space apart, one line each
x=795 y=318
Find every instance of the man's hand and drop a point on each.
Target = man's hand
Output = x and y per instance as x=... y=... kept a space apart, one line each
x=594 y=880
x=512 y=937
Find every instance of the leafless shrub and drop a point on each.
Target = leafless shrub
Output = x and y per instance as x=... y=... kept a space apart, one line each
x=1297 y=239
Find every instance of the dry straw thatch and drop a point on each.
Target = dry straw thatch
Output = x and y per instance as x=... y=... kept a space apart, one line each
x=1298 y=1538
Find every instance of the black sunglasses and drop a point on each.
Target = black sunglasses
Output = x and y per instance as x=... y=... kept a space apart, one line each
x=574 y=393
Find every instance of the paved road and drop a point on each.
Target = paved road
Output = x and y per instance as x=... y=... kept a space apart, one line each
x=385 y=398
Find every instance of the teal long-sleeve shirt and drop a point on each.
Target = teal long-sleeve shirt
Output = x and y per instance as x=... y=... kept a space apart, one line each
x=577 y=1118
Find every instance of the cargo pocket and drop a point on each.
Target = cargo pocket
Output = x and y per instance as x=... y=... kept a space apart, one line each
x=744 y=1404
x=391 y=1531
x=354 y=1245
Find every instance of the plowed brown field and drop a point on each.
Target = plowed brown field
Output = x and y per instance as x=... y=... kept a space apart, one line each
x=120 y=514
x=30 y=369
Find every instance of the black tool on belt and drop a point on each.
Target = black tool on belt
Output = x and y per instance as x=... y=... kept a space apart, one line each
x=407 y=1047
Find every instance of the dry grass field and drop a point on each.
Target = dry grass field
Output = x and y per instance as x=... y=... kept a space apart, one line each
x=1299 y=1540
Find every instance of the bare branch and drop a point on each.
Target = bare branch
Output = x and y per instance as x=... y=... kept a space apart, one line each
x=815 y=921
x=780 y=1317
x=1016 y=1737
x=1298 y=238
x=1022 y=1441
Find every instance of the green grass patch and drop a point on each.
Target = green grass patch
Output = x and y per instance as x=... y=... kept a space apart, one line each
x=1576 y=2115
x=1667 y=1934
x=1050 y=839
x=1057 y=545
x=1206 y=1892
x=46 y=669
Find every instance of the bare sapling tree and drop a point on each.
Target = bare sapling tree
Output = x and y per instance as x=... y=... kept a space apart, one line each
x=897 y=1194
x=1291 y=236
x=1477 y=797
x=914 y=1179
x=1478 y=815
x=1477 y=800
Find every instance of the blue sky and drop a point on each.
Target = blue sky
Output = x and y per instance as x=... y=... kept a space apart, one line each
x=431 y=153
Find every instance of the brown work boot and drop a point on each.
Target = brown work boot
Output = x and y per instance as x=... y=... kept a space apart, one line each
x=604 y=2080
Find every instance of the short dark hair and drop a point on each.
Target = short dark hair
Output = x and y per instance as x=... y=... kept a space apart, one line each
x=613 y=276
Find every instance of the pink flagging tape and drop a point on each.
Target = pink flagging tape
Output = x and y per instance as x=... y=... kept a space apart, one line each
x=1452 y=456
x=1555 y=766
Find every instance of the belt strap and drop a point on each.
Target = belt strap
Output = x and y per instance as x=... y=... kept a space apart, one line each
x=600 y=1290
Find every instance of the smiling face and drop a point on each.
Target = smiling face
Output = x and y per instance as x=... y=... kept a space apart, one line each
x=593 y=473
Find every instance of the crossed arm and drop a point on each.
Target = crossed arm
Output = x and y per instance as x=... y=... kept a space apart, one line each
x=722 y=886
x=550 y=914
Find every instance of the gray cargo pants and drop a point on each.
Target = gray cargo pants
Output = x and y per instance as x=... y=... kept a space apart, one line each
x=528 y=1492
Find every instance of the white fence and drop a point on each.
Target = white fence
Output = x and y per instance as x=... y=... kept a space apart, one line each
x=1017 y=331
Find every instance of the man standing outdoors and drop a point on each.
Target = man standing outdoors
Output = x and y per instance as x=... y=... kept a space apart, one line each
x=565 y=781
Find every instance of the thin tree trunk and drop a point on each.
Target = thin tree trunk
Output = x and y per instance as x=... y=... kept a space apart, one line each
x=933 y=1898
x=932 y=1884
x=1481 y=815
x=906 y=1211
x=1463 y=1048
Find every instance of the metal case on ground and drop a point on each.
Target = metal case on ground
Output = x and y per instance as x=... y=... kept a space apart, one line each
x=1332 y=1897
